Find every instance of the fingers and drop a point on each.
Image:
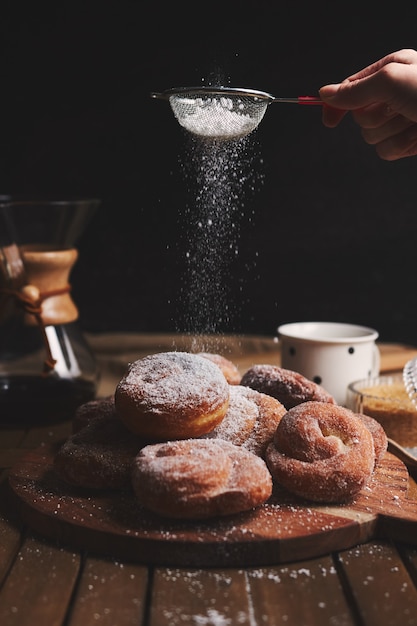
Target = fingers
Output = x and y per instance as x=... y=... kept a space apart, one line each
x=399 y=146
x=331 y=116
x=394 y=126
x=357 y=93
x=383 y=100
x=379 y=82
x=374 y=115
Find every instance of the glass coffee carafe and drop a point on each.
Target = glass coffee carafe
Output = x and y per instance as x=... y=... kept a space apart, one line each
x=46 y=366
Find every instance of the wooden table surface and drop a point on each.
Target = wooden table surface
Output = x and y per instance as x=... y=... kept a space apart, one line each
x=45 y=583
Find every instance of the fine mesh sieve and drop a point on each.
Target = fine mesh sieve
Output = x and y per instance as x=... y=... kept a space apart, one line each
x=222 y=112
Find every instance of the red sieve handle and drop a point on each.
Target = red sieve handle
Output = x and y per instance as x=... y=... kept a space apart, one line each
x=309 y=100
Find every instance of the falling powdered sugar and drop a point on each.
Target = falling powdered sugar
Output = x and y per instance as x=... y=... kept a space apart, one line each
x=220 y=177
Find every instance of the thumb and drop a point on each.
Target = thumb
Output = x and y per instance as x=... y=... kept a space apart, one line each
x=352 y=94
x=339 y=95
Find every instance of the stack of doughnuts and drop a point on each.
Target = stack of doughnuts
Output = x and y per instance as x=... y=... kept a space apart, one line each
x=194 y=439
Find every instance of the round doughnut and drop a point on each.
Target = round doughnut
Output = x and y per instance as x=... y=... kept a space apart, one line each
x=94 y=409
x=321 y=452
x=378 y=434
x=228 y=368
x=99 y=456
x=290 y=388
x=251 y=419
x=172 y=395
x=199 y=479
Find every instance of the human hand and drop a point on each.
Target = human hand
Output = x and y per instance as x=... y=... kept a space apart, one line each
x=383 y=101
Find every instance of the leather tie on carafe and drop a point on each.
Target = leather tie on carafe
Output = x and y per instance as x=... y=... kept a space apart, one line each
x=43 y=267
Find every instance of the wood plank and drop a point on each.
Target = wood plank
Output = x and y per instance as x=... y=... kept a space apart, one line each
x=110 y=592
x=380 y=585
x=308 y=592
x=39 y=586
x=194 y=596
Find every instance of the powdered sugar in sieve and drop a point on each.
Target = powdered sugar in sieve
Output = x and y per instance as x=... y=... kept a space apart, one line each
x=222 y=112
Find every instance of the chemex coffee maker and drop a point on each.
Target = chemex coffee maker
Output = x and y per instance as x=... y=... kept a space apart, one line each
x=46 y=366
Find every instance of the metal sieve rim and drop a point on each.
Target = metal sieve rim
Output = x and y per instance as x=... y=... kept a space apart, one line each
x=222 y=91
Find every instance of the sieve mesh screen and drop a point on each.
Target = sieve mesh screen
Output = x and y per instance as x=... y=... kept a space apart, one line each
x=218 y=116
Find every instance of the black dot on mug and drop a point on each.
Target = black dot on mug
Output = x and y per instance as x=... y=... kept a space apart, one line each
x=351 y=350
x=317 y=380
x=291 y=351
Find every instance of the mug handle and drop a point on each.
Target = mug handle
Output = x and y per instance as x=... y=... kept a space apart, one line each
x=376 y=362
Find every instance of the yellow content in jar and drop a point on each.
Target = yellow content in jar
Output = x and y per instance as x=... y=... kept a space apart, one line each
x=391 y=406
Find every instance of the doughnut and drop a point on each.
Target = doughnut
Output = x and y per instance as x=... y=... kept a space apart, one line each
x=290 y=388
x=99 y=456
x=378 y=434
x=199 y=479
x=172 y=395
x=94 y=409
x=228 y=368
x=321 y=452
x=251 y=419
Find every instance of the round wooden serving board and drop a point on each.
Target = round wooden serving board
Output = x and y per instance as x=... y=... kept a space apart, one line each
x=284 y=529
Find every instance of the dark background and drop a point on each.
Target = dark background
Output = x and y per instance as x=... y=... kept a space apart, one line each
x=326 y=229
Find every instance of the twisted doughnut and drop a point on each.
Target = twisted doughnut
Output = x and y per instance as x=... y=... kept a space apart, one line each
x=322 y=452
x=378 y=434
x=251 y=419
x=199 y=478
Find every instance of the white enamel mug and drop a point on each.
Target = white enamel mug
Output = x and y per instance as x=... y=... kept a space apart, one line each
x=332 y=354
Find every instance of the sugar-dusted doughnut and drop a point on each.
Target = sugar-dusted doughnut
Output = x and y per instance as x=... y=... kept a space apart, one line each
x=199 y=478
x=99 y=456
x=172 y=395
x=322 y=452
x=251 y=419
x=228 y=368
x=378 y=434
x=290 y=388
x=91 y=410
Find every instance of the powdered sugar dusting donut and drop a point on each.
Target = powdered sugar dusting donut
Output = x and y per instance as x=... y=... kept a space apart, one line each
x=251 y=419
x=172 y=395
x=378 y=434
x=99 y=456
x=228 y=368
x=290 y=388
x=199 y=478
x=322 y=452
x=101 y=408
